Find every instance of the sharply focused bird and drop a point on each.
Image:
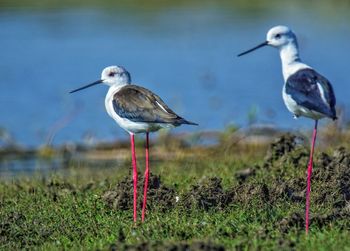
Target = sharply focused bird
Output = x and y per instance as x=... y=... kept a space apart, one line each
x=305 y=92
x=136 y=110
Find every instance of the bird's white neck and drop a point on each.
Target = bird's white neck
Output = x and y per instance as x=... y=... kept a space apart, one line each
x=291 y=62
x=115 y=88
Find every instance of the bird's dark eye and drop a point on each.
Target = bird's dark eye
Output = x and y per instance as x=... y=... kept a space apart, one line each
x=111 y=74
x=278 y=36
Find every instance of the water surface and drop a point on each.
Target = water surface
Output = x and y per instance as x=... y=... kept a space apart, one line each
x=186 y=53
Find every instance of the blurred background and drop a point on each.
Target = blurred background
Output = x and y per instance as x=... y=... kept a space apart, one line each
x=185 y=51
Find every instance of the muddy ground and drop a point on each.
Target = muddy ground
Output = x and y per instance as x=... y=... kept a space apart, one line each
x=252 y=204
x=282 y=177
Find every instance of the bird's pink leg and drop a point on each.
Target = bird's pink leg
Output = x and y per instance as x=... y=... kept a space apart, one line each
x=309 y=172
x=134 y=173
x=146 y=178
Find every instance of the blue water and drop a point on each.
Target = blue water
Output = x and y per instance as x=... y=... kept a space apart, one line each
x=187 y=55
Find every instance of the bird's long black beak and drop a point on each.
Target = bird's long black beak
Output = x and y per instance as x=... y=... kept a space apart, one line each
x=253 y=49
x=87 y=86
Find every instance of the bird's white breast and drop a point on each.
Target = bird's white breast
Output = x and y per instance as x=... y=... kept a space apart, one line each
x=291 y=105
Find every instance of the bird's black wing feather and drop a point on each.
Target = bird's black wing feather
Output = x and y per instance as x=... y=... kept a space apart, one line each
x=306 y=87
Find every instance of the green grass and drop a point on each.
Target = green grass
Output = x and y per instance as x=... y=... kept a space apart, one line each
x=66 y=210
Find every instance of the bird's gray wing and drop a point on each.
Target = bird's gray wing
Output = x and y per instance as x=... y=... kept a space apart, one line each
x=139 y=104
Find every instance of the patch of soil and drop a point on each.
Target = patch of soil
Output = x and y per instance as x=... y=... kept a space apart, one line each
x=286 y=164
x=249 y=192
x=282 y=178
x=207 y=194
x=331 y=177
x=170 y=246
x=282 y=146
x=333 y=172
x=159 y=196
x=58 y=189
x=297 y=220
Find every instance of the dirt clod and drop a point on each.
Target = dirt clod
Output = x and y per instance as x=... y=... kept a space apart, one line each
x=58 y=189
x=208 y=194
x=330 y=182
x=283 y=145
x=249 y=192
x=159 y=196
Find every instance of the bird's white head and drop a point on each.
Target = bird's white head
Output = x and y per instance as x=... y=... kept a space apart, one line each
x=115 y=75
x=111 y=75
x=284 y=39
x=280 y=36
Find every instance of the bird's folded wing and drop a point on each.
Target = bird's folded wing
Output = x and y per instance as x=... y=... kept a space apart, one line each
x=141 y=105
x=312 y=91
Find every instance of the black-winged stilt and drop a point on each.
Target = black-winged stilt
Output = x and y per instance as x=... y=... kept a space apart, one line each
x=305 y=92
x=136 y=110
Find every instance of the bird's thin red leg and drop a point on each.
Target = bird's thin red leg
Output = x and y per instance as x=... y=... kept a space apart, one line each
x=134 y=173
x=309 y=172
x=146 y=178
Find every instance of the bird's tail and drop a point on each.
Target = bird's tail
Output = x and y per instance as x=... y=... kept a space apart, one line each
x=183 y=121
x=333 y=114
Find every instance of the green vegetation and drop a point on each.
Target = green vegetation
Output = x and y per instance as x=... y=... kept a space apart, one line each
x=223 y=197
x=324 y=8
